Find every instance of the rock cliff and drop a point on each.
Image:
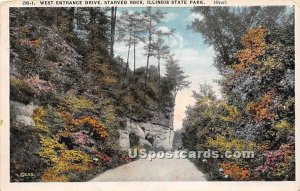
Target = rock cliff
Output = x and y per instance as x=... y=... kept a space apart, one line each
x=70 y=99
x=155 y=132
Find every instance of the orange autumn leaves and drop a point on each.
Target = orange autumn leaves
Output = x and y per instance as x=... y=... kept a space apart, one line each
x=63 y=161
x=32 y=43
x=98 y=127
x=254 y=46
x=261 y=110
x=235 y=172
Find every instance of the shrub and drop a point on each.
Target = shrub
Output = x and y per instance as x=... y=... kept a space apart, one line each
x=62 y=161
x=39 y=119
x=234 y=171
x=134 y=140
x=21 y=91
x=262 y=110
x=39 y=84
x=78 y=103
x=277 y=163
x=52 y=56
x=223 y=144
x=94 y=123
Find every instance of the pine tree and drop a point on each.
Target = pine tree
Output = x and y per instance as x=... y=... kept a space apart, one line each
x=175 y=76
x=151 y=19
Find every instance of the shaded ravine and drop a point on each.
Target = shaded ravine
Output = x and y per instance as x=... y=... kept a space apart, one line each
x=155 y=170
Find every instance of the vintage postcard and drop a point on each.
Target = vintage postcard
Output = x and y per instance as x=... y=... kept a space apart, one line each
x=149 y=95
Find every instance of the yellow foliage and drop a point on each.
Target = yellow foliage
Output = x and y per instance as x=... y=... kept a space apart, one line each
x=271 y=63
x=220 y=142
x=109 y=114
x=51 y=175
x=282 y=124
x=107 y=76
x=16 y=82
x=128 y=100
x=109 y=80
x=62 y=160
x=232 y=115
x=79 y=102
x=20 y=86
x=209 y=106
x=38 y=117
x=254 y=37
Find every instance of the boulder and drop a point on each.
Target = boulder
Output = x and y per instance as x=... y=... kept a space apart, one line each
x=156 y=132
x=22 y=115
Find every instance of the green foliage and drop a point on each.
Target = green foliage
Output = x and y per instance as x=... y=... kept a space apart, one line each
x=78 y=103
x=222 y=144
x=80 y=89
x=20 y=91
x=52 y=56
x=134 y=140
x=220 y=24
x=176 y=79
x=38 y=117
x=61 y=160
x=257 y=86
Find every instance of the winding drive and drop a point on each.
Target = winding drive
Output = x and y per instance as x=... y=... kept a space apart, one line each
x=155 y=170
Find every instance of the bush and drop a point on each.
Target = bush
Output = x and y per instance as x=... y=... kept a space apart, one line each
x=21 y=91
x=61 y=160
x=52 y=56
x=78 y=103
x=134 y=140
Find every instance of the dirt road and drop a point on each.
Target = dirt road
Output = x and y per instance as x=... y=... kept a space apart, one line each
x=155 y=170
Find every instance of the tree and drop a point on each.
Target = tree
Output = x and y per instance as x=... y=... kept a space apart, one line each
x=223 y=27
x=98 y=32
x=160 y=49
x=151 y=19
x=198 y=123
x=130 y=31
x=175 y=77
x=257 y=109
x=138 y=35
x=113 y=20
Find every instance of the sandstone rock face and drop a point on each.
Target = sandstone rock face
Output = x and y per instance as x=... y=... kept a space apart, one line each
x=156 y=132
x=23 y=114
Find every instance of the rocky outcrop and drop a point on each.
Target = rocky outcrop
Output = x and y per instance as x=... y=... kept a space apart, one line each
x=25 y=143
x=22 y=114
x=155 y=132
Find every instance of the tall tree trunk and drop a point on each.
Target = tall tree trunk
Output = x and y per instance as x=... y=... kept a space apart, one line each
x=149 y=52
x=134 y=44
x=158 y=66
x=128 y=54
x=71 y=19
x=55 y=18
x=146 y=72
x=113 y=28
x=92 y=24
x=159 y=87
